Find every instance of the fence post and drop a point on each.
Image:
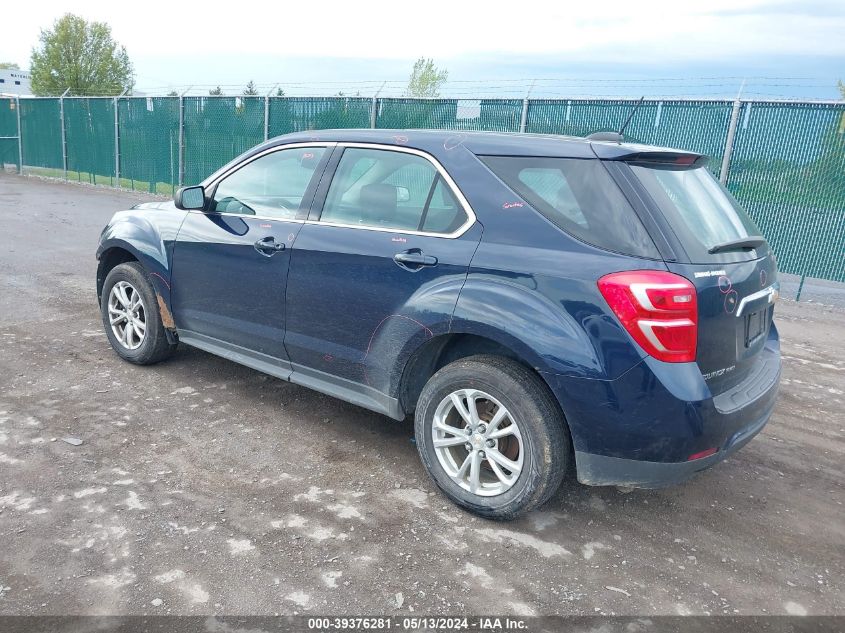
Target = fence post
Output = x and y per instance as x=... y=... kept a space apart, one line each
x=117 y=139
x=523 y=121
x=64 y=138
x=267 y=113
x=374 y=107
x=729 y=143
x=266 y=116
x=20 y=143
x=181 y=149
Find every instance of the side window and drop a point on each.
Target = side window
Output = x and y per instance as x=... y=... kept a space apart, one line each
x=551 y=185
x=391 y=190
x=271 y=186
x=580 y=197
x=443 y=214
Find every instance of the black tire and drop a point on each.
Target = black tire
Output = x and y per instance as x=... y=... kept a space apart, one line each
x=154 y=347
x=545 y=439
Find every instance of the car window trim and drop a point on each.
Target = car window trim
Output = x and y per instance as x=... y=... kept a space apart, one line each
x=441 y=171
x=424 y=215
x=310 y=190
x=661 y=233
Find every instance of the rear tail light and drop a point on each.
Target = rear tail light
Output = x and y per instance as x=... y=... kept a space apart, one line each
x=658 y=309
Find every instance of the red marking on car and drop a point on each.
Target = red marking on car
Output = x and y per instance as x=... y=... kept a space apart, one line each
x=454 y=141
x=702 y=454
x=328 y=358
x=762 y=277
x=162 y=279
x=307 y=155
x=398 y=239
x=731 y=299
x=266 y=226
x=400 y=138
x=511 y=205
x=724 y=284
x=290 y=237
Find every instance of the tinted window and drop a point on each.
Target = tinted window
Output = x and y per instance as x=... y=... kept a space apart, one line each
x=443 y=213
x=271 y=186
x=699 y=209
x=391 y=190
x=580 y=197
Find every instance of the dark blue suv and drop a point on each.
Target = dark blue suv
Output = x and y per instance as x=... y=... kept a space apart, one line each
x=538 y=302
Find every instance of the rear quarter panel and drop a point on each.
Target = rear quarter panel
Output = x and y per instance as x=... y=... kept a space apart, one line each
x=532 y=287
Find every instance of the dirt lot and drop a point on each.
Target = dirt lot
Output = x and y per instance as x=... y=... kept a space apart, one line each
x=205 y=487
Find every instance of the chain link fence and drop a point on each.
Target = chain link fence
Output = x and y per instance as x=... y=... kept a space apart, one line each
x=783 y=160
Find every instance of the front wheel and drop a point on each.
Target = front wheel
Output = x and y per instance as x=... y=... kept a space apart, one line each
x=131 y=318
x=491 y=436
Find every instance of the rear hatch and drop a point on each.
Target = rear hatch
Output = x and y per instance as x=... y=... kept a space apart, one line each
x=715 y=245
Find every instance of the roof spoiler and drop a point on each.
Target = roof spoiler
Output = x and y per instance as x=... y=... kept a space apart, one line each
x=653 y=155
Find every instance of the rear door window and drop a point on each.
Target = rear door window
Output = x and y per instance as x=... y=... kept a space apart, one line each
x=580 y=197
x=700 y=211
x=393 y=190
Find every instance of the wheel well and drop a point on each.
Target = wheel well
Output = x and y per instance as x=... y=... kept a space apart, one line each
x=439 y=352
x=108 y=260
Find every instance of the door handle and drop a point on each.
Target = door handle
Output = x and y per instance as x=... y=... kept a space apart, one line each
x=268 y=246
x=414 y=259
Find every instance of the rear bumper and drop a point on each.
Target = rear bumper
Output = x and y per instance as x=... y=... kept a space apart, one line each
x=602 y=470
x=641 y=429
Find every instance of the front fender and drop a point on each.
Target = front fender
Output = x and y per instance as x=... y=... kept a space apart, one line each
x=149 y=236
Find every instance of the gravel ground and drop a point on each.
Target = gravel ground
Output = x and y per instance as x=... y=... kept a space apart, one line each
x=204 y=487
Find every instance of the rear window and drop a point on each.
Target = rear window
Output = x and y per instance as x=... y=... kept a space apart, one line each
x=580 y=197
x=701 y=212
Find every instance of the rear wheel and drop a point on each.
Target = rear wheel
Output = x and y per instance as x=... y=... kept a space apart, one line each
x=131 y=318
x=491 y=436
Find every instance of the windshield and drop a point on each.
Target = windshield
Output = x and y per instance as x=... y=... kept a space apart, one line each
x=702 y=213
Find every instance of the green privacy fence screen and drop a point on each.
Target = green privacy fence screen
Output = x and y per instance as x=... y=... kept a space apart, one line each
x=299 y=114
x=788 y=170
x=148 y=145
x=41 y=134
x=9 y=149
x=89 y=139
x=783 y=160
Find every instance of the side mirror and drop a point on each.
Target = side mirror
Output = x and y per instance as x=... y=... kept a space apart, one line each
x=190 y=198
x=402 y=194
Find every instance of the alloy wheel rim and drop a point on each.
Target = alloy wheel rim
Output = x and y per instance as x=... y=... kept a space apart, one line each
x=477 y=442
x=127 y=315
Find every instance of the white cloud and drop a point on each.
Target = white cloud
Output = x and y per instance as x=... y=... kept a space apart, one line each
x=390 y=29
x=174 y=42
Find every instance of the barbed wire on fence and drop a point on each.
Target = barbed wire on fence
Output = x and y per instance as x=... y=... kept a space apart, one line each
x=547 y=87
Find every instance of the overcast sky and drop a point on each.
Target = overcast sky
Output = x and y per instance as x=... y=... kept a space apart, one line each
x=659 y=47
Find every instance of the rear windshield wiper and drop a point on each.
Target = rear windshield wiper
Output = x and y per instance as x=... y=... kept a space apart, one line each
x=743 y=242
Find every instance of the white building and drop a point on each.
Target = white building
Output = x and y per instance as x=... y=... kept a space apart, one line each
x=14 y=82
